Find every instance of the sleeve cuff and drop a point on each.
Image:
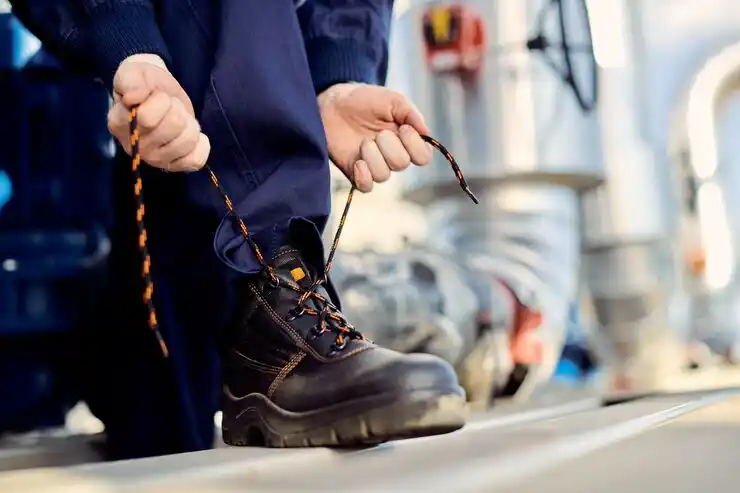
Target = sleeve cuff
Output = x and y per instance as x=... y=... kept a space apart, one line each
x=119 y=30
x=336 y=61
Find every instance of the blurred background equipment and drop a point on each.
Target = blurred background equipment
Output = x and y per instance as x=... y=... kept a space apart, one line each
x=423 y=301
x=654 y=315
x=53 y=214
x=416 y=301
x=521 y=121
x=630 y=265
x=709 y=229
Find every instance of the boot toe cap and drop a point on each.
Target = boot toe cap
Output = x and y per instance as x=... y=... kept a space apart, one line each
x=423 y=372
x=377 y=373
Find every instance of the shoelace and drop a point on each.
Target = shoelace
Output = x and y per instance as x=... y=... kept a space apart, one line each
x=327 y=312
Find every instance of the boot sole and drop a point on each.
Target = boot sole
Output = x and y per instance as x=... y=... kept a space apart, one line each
x=368 y=421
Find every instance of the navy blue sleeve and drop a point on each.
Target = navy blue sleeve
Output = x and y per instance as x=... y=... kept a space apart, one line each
x=346 y=40
x=93 y=36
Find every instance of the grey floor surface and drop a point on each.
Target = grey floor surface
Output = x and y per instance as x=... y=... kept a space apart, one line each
x=672 y=443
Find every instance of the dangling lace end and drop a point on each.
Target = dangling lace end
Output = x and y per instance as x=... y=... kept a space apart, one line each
x=453 y=164
x=470 y=194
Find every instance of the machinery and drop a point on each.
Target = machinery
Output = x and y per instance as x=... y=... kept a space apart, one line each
x=514 y=102
x=630 y=266
x=652 y=230
x=517 y=109
x=710 y=232
x=53 y=216
x=416 y=301
x=422 y=301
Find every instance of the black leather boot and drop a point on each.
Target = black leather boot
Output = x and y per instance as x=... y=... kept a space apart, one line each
x=297 y=374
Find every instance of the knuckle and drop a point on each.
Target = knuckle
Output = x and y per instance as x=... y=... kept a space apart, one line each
x=201 y=157
x=409 y=133
x=382 y=176
x=147 y=120
x=396 y=97
x=152 y=111
x=401 y=164
x=386 y=135
x=206 y=144
x=177 y=119
x=189 y=145
x=368 y=149
x=192 y=128
x=396 y=161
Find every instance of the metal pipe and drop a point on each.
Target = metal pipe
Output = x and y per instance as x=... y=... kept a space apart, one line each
x=716 y=291
x=630 y=268
x=528 y=151
x=526 y=236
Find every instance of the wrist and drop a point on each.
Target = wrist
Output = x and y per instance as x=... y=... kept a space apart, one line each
x=146 y=58
x=336 y=91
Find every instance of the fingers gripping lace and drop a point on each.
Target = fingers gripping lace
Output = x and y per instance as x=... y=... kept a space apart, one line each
x=329 y=317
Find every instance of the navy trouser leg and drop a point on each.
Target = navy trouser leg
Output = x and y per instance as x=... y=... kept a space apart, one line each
x=151 y=405
x=268 y=149
x=267 y=137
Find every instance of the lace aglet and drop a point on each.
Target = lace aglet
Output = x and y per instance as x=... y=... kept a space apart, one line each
x=470 y=194
x=163 y=346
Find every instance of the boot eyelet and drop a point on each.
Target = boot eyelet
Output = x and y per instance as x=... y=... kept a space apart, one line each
x=336 y=347
x=295 y=313
x=315 y=332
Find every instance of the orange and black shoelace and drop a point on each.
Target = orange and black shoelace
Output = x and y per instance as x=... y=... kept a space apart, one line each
x=328 y=312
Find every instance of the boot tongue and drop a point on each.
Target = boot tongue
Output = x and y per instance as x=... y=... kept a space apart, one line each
x=290 y=266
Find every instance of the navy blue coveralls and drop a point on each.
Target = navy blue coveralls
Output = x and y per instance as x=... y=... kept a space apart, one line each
x=252 y=69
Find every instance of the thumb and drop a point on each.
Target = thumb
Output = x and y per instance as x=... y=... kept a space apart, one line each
x=405 y=113
x=130 y=83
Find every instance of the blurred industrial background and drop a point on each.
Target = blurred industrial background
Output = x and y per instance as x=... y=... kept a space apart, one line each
x=601 y=263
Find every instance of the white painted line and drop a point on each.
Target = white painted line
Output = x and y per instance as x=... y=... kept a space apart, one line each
x=514 y=419
x=484 y=474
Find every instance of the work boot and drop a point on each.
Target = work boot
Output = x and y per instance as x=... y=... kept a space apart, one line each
x=297 y=374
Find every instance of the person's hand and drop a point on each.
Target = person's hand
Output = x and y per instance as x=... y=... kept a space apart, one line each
x=170 y=136
x=372 y=131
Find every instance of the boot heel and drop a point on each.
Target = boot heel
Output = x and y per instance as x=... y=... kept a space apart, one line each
x=230 y=437
x=243 y=436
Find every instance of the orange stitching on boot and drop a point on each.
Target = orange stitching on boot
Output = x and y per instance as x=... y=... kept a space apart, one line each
x=294 y=361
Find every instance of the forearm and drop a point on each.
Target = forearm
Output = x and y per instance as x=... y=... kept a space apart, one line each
x=346 y=40
x=93 y=36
